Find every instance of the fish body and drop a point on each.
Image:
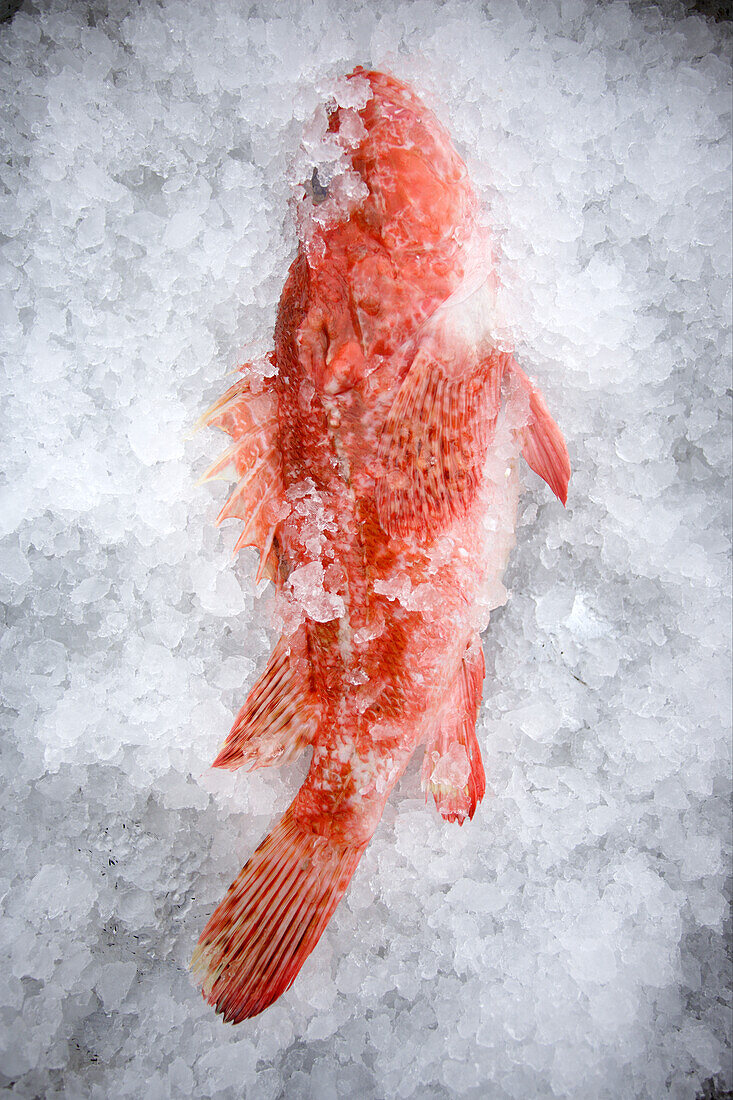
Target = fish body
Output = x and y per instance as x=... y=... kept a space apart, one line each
x=377 y=474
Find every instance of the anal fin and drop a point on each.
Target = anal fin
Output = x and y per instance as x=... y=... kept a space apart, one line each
x=281 y=712
x=452 y=770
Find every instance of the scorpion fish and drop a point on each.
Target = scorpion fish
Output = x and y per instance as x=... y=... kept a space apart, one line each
x=376 y=461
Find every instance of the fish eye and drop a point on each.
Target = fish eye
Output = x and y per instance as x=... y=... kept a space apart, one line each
x=317 y=191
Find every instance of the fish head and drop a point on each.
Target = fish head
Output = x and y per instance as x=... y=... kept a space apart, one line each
x=419 y=194
x=381 y=160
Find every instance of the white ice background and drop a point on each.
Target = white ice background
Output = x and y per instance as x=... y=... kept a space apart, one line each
x=569 y=942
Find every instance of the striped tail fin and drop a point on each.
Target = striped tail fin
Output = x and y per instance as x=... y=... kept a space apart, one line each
x=271 y=918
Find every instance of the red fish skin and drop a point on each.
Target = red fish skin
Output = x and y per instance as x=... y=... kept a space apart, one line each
x=385 y=398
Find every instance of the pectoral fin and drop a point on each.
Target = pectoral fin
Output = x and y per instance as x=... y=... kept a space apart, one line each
x=434 y=441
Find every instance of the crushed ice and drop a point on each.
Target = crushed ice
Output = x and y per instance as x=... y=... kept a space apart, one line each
x=569 y=941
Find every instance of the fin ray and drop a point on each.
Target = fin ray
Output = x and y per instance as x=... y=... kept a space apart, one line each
x=250 y=494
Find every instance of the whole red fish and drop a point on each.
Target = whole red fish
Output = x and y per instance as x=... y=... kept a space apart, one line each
x=376 y=472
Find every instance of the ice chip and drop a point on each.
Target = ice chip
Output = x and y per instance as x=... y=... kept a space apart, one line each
x=306 y=585
x=14 y=565
x=114 y=984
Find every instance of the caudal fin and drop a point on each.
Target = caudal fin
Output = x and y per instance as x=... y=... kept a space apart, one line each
x=271 y=918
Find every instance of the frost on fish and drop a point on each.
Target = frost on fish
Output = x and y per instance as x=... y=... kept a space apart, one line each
x=376 y=471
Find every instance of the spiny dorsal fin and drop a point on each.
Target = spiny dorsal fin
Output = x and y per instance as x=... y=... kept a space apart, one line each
x=250 y=417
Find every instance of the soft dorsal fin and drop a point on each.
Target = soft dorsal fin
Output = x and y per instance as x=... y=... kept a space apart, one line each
x=452 y=769
x=281 y=712
x=544 y=448
x=250 y=418
x=435 y=439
